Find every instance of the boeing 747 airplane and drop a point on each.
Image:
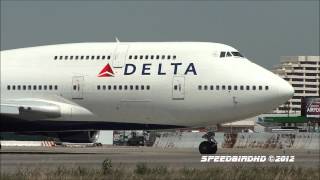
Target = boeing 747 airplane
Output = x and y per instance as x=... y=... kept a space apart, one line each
x=74 y=90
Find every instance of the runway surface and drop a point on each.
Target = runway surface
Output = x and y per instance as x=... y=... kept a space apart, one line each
x=13 y=158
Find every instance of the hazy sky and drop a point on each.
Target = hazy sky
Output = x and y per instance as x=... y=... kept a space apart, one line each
x=262 y=30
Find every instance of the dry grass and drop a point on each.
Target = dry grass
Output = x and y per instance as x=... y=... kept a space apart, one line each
x=143 y=172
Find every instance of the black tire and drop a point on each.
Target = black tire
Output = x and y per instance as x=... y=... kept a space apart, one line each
x=214 y=148
x=207 y=147
x=203 y=147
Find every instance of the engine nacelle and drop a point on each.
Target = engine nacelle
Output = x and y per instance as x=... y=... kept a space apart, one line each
x=78 y=136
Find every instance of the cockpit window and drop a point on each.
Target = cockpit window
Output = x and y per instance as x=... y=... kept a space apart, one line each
x=230 y=54
x=237 y=54
x=222 y=54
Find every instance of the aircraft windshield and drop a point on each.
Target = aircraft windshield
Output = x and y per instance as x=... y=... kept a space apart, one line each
x=236 y=54
x=228 y=54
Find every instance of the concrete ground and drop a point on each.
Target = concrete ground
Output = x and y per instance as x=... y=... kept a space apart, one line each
x=13 y=158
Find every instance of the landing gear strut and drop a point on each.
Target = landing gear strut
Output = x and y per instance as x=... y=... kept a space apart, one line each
x=210 y=145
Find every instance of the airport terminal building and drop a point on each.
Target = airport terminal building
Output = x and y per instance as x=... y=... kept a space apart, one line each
x=303 y=73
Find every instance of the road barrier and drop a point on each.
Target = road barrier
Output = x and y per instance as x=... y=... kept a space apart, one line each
x=28 y=143
x=241 y=140
x=183 y=139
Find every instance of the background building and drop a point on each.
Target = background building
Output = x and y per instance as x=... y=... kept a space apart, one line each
x=303 y=73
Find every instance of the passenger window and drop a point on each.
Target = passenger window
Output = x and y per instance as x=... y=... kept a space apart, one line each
x=34 y=87
x=109 y=87
x=66 y=57
x=71 y=57
x=39 y=87
x=241 y=87
x=142 y=87
x=56 y=57
x=18 y=87
x=253 y=87
x=267 y=87
x=135 y=57
x=248 y=87
x=146 y=57
x=103 y=57
x=141 y=57
x=98 y=57
x=211 y=87
x=137 y=87
x=151 y=57
x=168 y=57
x=130 y=57
x=109 y=57
x=176 y=87
x=92 y=57
x=235 y=88
x=223 y=87
x=229 y=88
x=45 y=87
x=260 y=88
x=131 y=87
x=8 y=87
x=217 y=87
x=222 y=54
x=104 y=87
x=174 y=57
x=199 y=87
x=13 y=87
x=55 y=87
x=50 y=87
x=24 y=87
x=87 y=57
x=125 y=87
x=82 y=57
x=157 y=57
x=120 y=87
x=61 y=57
x=148 y=87
x=205 y=87
x=114 y=87
x=74 y=87
x=98 y=87
x=163 y=56
x=77 y=57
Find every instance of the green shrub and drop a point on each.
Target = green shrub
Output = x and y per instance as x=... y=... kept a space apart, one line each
x=141 y=168
x=106 y=166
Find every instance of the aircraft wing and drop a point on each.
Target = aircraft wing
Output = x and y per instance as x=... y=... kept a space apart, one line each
x=30 y=109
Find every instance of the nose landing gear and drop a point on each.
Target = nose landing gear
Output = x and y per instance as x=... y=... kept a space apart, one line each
x=209 y=146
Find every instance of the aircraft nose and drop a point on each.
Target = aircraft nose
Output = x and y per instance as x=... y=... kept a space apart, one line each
x=285 y=89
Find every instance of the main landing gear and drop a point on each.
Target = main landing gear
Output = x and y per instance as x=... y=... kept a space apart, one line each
x=210 y=145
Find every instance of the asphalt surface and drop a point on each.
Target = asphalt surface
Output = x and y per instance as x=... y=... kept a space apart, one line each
x=13 y=158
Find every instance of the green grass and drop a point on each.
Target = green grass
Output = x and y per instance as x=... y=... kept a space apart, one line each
x=143 y=172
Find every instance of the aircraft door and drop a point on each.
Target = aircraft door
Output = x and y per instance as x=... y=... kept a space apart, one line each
x=77 y=87
x=120 y=55
x=178 y=88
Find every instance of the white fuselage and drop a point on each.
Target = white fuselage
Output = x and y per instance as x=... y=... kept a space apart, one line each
x=196 y=88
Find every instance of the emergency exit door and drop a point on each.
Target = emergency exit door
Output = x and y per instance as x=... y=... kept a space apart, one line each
x=120 y=55
x=77 y=87
x=178 y=91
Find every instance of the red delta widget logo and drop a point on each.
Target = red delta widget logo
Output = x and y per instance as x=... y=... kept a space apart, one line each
x=145 y=69
x=106 y=71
